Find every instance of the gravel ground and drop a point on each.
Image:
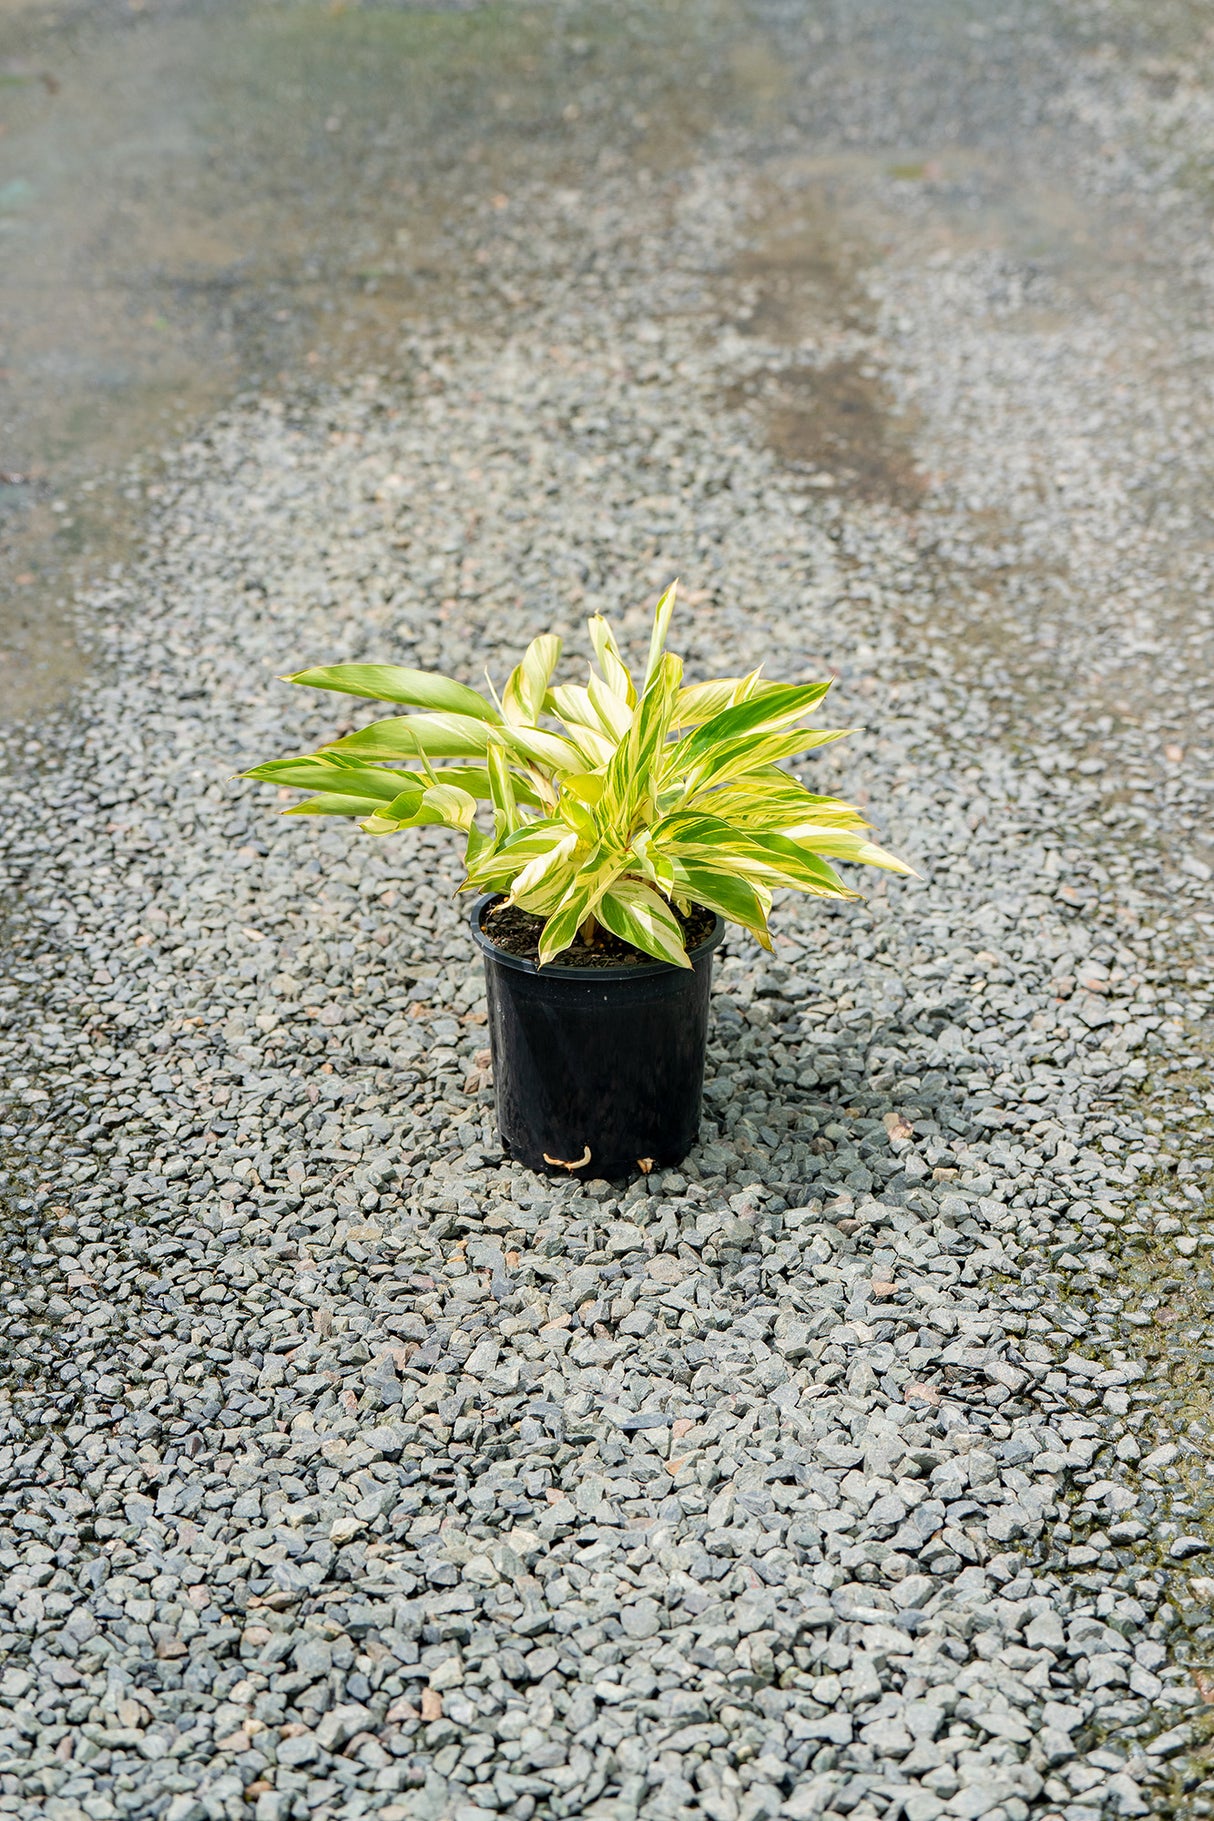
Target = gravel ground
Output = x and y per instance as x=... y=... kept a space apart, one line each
x=349 y=1469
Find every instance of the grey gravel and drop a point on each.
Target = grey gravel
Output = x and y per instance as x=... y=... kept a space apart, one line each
x=348 y=1468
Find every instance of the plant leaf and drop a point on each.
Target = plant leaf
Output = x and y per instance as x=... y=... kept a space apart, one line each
x=395 y=683
x=615 y=671
x=444 y=804
x=737 y=900
x=699 y=702
x=586 y=786
x=588 y=882
x=767 y=712
x=731 y=759
x=312 y=772
x=772 y=799
x=571 y=703
x=633 y=770
x=456 y=807
x=553 y=752
x=661 y=628
x=635 y=913
x=613 y=715
x=761 y=859
x=328 y=803
x=433 y=736
x=845 y=844
x=476 y=843
x=527 y=685
x=544 y=881
x=499 y=868
x=407 y=804
x=575 y=813
x=502 y=792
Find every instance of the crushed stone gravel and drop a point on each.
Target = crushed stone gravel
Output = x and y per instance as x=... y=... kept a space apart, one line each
x=349 y=1469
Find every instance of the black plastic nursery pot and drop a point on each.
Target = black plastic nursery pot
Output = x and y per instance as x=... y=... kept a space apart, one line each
x=598 y=1072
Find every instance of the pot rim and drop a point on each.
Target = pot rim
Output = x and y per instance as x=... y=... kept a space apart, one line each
x=635 y=970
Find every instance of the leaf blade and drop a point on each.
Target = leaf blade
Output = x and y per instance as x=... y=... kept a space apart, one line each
x=433 y=736
x=662 y=615
x=633 y=911
x=527 y=684
x=397 y=683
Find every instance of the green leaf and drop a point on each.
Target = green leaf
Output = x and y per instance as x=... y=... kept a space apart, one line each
x=394 y=683
x=613 y=715
x=576 y=814
x=632 y=773
x=544 y=881
x=651 y=864
x=586 y=786
x=699 y=702
x=571 y=703
x=771 y=799
x=475 y=780
x=761 y=859
x=442 y=804
x=737 y=900
x=405 y=805
x=434 y=736
x=502 y=792
x=805 y=870
x=523 y=696
x=635 y=913
x=763 y=713
x=612 y=665
x=561 y=926
x=765 y=710
x=498 y=869
x=329 y=804
x=550 y=751
x=588 y=882
x=661 y=628
x=456 y=807
x=311 y=773
x=730 y=759
x=845 y=844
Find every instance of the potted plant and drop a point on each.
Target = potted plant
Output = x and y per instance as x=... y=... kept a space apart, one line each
x=630 y=822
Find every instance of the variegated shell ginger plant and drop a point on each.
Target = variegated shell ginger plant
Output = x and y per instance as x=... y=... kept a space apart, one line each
x=612 y=802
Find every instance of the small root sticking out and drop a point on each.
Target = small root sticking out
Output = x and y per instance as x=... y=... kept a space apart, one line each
x=564 y=1163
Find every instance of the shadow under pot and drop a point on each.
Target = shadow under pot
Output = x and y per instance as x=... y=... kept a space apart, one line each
x=598 y=1072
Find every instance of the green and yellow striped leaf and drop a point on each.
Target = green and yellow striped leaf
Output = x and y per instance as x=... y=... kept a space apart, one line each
x=312 y=773
x=328 y=803
x=527 y=685
x=845 y=844
x=635 y=913
x=699 y=702
x=434 y=736
x=615 y=671
x=661 y=630
x=717 y=889
x=395 y=683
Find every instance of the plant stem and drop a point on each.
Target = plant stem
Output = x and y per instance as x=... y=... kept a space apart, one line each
x=588 y=931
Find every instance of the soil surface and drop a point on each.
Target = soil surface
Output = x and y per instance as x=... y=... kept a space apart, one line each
x=518 y=932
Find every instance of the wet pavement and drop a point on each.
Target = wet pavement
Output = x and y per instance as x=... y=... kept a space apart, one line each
x=198 y=200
